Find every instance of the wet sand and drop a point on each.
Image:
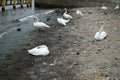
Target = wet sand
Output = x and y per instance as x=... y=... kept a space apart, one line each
x=74 y=53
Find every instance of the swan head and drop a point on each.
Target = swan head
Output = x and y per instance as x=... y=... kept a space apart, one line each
x=102 y=26
x=36 y=19
x=65 y=8
x=42 y=46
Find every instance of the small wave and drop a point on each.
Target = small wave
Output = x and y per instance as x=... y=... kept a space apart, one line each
x=1 y=35
x=50 y=11
x=26 y=18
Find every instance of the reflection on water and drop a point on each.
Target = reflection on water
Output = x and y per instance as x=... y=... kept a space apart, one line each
x=10 y=39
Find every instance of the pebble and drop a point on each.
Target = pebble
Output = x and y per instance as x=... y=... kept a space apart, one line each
x=104 y=74
x=52 y=64
x=19 y=29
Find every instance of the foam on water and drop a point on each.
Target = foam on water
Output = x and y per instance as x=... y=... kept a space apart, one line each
x=2 y=34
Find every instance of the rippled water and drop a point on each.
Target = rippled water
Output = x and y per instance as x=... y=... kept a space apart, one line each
x=12 y=40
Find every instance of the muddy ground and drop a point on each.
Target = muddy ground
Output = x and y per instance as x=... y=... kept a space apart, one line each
x=74 y=53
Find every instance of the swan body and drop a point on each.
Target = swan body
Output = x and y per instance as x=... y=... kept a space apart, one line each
x=79 y=13
x=40 y=24
x=101 y=34
x=39 y=50
x=62 y=21
x=117 y=7
x=67 y=16
x=104 y=7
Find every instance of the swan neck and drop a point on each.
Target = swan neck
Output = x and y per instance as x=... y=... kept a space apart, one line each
x=37 y=19
x=65 y=10
x=101 y=28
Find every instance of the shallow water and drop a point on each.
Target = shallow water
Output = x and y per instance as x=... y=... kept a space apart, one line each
x=12 y=40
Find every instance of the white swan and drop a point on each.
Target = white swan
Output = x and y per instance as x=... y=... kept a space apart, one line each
x=39 y=50
x=67 y=16
x=101 y=34
x=39 y=24
x=62 y=21
x=79 y=13
x=104 y=7
x=117 y=7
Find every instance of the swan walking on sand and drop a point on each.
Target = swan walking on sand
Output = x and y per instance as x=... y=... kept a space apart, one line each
x=100 y=35
x=39 y=50
x=62 y=21
x=40 y=25
x=67 y=16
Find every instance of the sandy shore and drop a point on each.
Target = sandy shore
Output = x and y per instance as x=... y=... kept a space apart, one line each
x=74 y=54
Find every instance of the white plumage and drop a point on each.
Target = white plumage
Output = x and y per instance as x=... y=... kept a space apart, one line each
x=40 y=24
x=79 y=13
x=117 y=7
x=39 y=50
x=104 y=7
x=101 y=34
x=62 y=21
x=67 y=16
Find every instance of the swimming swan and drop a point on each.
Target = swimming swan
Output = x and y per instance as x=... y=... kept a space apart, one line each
x=117 y=7
x=39 y=50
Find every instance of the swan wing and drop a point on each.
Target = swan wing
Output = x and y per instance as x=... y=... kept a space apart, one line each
x=40 y=24
x=67 y=16
x=33 y=51
x=40 y=51
x=97 y=36
x=104 y=8
x=61 y=21
x=64 y=20
x=103 y=35
x=100 y=35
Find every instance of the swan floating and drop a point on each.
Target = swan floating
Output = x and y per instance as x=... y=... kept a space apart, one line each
x=104 y=7
x=79 y=13
x=67 y=16
x=39 y=24
x=101 y=34
x=62 y=21
x=39 y=50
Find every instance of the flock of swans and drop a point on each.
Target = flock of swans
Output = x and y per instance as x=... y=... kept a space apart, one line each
x=43 y=49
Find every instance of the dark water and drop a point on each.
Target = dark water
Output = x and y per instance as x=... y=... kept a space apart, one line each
x=10 y=39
